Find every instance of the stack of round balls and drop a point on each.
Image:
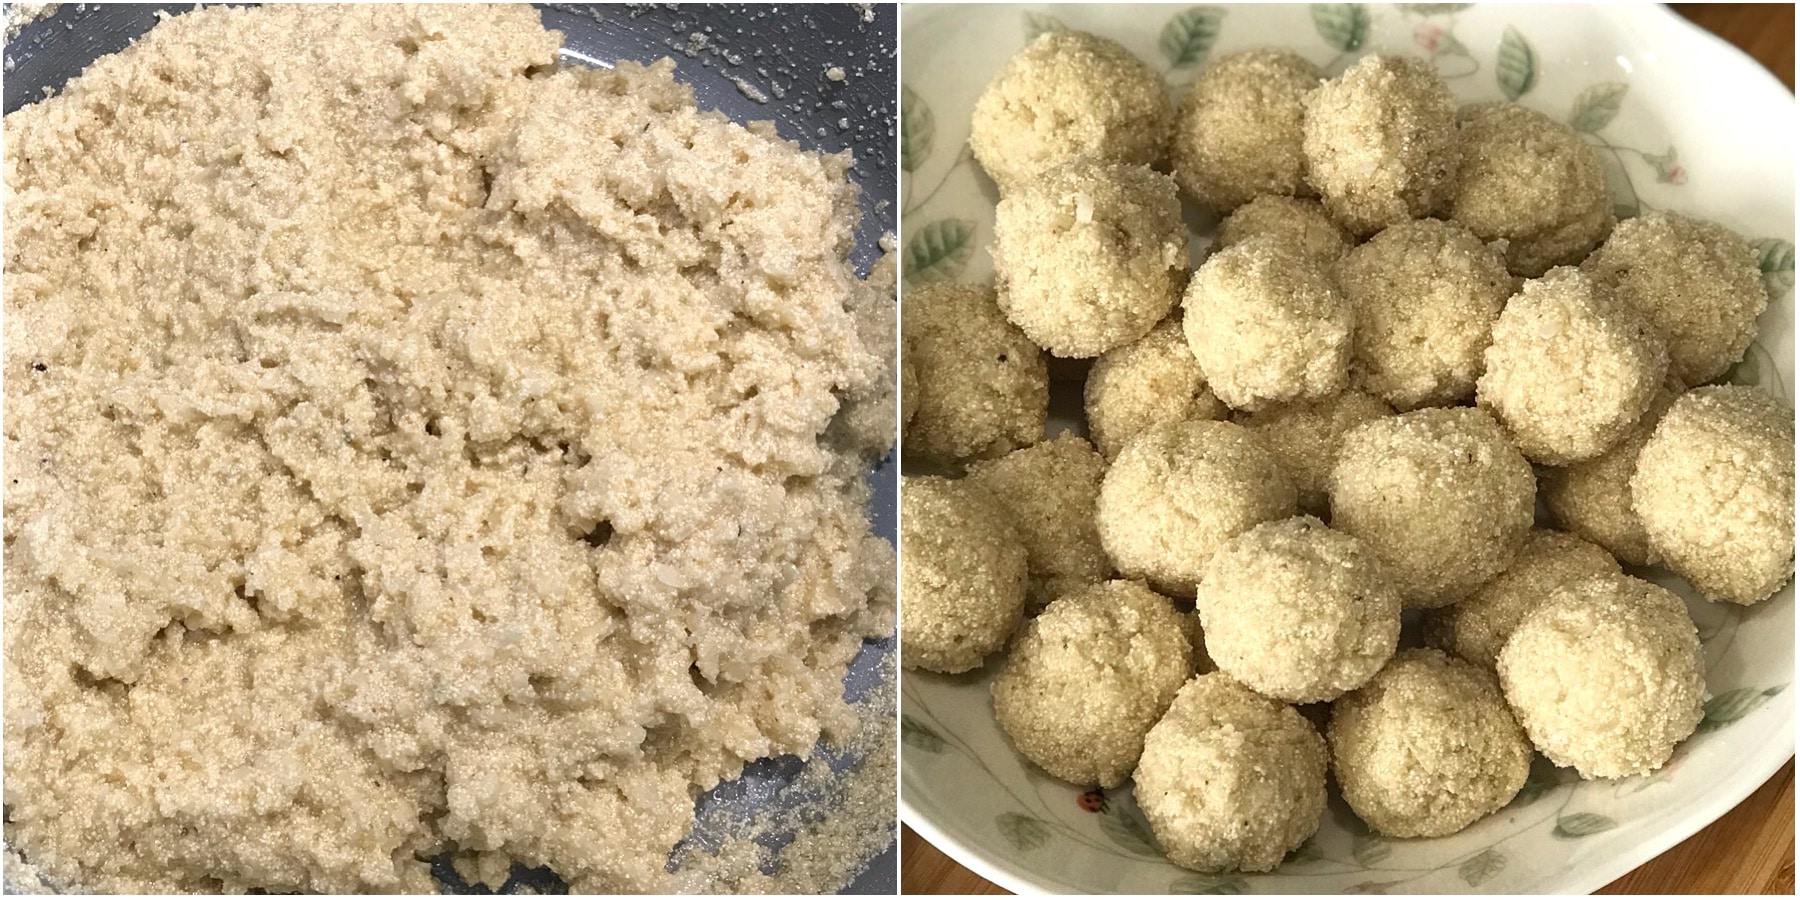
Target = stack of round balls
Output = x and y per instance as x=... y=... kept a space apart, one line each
x=1412 y=318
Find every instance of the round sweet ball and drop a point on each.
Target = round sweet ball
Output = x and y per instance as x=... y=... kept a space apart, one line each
x=1089 y=677
x=1478 y=627
x=1297 y=611
x=1592 y=498
x=1305 y=438
x=1150 y=380
x=1048 y=492
x=962 y=572
x=1427 y=747
x=1714 y=489
x=1268 y=325
x=979 y=386
x=1067 y=95
x=1571 y=368
x=1293 y=219
x=1237 y=132
x=1178 y=492
x=1606 y=676
x=1698 y=283
x=1231 y=780
x=1440 y=495
x=1090 y=256
x=1533 y=182
x=1380 y=143
x=1426 y=295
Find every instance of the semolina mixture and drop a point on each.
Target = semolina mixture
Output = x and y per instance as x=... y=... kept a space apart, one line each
x=416 y=447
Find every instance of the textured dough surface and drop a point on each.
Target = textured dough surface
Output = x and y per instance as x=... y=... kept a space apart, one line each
x=1151 y=380
x=1427 y=747
x=1439 y=495
x=1606 y=676
x=1297 y=611
x=1714 y=490
x=1697 y=282
x=415 y=446
x=1048 y=492
x=1478 y=627
x=1088 y=678
x=1306 y=437
x=1229 y=779
x=1268 y=325
x=979 y=386
x=1531 y=181
x=1178 y=492
x=1380 y=143
x=1089 y=256
x=1571 y=369
x=1069 y=95
x=1426 y=295
x=1237 y=132
x=962 y=570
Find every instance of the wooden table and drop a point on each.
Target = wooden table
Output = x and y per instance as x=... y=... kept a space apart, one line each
x=1751 y=849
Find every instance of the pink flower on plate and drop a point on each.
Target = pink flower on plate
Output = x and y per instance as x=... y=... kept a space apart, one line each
x=1428 y=34
x=1676 y=175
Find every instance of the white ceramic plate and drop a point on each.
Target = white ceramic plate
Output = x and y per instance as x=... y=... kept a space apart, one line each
x=1685 y=123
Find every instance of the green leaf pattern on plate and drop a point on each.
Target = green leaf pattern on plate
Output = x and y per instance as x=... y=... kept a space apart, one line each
x=1433 y=9
x=1478 y=869
x=1596 y=107
x=1775 y=257
x=917 y=734
x=1207 y=884
x=1190 y=34
x=1127 y=828
x=1515 y=67
x=1026 y=833
x=1734 y=705
x=1038 y=24
x=917 y=130
x=1370 y=887
x=939 y=251
x=1345 y=26
x=1580 y=825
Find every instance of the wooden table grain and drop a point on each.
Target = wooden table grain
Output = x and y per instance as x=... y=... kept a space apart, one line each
x=1748 y=851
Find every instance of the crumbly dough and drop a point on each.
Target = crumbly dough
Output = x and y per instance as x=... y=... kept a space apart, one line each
x=1067 y=96
x=1592 y=498
x=1427 y=747
x=1305 y=438
x=1231 y=780
x=1532 y=182
x=979 y=386
x=1380 y=143
x=1090 y=256
x=1301 y=221
x=1478 y=627
x=1697 y=282
x=1178 y=492
x=1267 y=324
x=1237 y=133
x=1048 y=492
x=1088 y=678
x=1148 y=381
x=1297 y=611
x=1426 y=295
x=962 y=572
x=1571 y=368
x=414 y=446
x=1439 y=495
x=1714 y=489
x=1606 y=676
